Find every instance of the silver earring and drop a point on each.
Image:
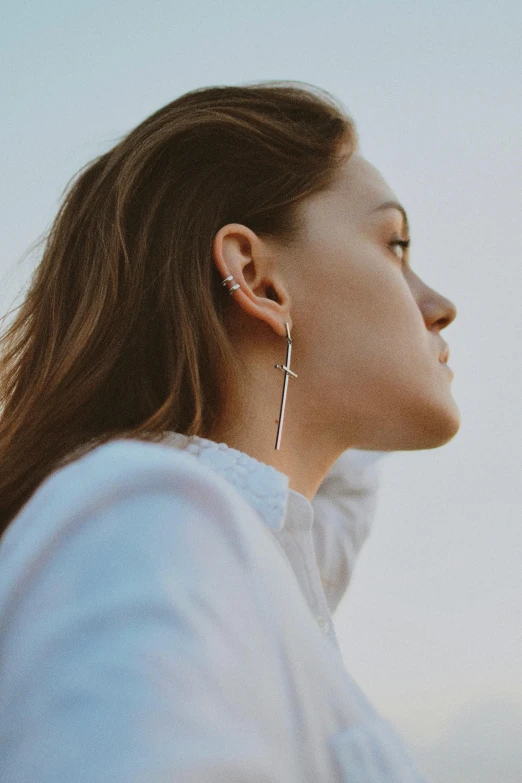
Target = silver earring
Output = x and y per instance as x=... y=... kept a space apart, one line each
x=287 y=371
x=232 y=288
x=284 y=367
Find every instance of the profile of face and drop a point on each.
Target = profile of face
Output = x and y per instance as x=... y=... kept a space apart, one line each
x=365 y=328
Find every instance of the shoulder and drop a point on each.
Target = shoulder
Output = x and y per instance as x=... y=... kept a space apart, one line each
x=129 y=467
x=131 y=580
x=124 y=467
x=142 y=603
x=129 y=490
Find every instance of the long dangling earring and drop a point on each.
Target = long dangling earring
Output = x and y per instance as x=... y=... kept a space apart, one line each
x=287 y=371
x=284 y=367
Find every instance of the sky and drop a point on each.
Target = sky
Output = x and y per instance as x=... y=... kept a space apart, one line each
x=430 y=627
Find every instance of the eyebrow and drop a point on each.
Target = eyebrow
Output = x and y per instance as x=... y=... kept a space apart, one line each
x=395 y=205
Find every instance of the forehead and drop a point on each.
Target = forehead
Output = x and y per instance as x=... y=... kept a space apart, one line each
x=361 y=186
x=357 y=190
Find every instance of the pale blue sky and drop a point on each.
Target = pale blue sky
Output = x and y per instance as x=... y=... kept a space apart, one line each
x=431 y=626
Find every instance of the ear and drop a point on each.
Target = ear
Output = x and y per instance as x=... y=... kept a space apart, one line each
x=238 y=251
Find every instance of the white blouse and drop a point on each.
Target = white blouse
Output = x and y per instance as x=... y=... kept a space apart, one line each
x=166 y=615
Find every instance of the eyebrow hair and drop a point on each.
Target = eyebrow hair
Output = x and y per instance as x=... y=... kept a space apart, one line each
x=396 y=205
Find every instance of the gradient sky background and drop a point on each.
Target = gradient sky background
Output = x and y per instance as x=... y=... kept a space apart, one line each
x=430 y=627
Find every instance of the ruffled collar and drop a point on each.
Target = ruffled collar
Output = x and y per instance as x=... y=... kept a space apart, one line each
x=264 y=488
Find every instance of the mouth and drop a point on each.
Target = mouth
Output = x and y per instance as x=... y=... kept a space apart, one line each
x=443 y=358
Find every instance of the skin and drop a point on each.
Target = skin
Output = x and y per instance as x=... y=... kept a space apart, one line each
x=365 y=331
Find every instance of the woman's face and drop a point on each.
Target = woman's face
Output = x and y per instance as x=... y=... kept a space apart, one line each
x=366 y=328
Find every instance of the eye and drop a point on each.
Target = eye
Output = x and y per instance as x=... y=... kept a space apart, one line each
x=403 y=244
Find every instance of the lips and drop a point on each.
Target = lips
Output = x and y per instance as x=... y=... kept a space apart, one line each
x=444 y=355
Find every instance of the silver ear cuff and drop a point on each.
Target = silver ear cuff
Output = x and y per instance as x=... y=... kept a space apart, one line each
x=284 y=367
x=232 y=288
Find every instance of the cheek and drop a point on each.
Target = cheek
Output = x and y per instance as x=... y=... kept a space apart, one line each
x=372 y=292
x=381 y=334
x=338 y=269
x=355 y=303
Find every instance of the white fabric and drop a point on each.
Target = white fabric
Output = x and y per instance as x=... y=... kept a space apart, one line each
x=165 y=616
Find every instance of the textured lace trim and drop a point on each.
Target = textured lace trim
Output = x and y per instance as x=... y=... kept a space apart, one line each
x=264 y=487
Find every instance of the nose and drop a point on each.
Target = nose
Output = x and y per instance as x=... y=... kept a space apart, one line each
x=445 y=312
x=438 y=311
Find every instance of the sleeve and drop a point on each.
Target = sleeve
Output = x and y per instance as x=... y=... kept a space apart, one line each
x=132 y=655
x=344 y=508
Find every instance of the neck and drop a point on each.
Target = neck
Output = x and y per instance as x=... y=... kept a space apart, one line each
x=305 y=454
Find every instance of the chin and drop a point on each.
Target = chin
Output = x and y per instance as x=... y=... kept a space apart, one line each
x=420 y=421
x=437 y=426
x=429 y=426
x=435 y=433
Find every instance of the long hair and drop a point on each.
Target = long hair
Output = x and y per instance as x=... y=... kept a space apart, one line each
x=121 y=332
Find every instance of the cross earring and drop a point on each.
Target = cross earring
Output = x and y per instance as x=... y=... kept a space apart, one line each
x=284 y=367
x=287 y=371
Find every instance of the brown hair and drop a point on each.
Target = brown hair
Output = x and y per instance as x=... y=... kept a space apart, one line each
x=121 y=333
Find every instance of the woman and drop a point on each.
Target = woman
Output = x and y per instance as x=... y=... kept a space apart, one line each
x=223 y=335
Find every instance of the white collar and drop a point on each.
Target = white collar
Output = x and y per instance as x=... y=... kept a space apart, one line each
x=263 y=487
